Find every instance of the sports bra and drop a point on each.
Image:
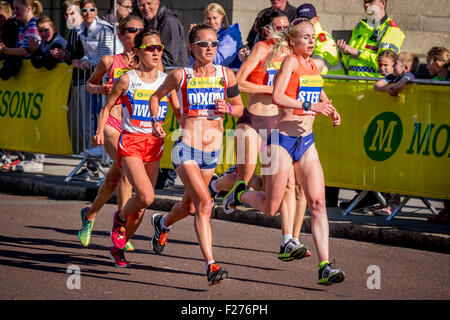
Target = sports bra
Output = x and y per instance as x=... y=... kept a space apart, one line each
x=135 y=103
x=305 y=85
x=198 y=93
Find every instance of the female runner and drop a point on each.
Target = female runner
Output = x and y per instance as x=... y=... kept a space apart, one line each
x=204 y=88
x=114 y=67
x=139 y=152
x=298 y=93
x=259 y=119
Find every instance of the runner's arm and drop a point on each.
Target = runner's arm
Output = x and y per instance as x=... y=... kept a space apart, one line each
x=257 y=54
x=101 y=69
x=118 y=89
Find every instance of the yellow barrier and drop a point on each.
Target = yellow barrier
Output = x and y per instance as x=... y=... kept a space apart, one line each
x=392 y=144
x=33 y=110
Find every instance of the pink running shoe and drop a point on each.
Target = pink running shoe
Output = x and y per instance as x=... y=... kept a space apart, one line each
x=118 y=232
x=118 y=256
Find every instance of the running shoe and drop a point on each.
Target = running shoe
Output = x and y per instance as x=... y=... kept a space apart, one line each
x=308 y=253
x=292 y=250
x=213 y=193
x=86 y=228
x=118 y=237
x=231 y=170
x=118 y=256
x=232 y=199
x=159 y=238
x=215 y=274
x=328 y=275
x=129 y=246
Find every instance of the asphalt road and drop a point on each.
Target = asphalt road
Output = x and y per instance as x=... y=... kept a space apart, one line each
x=39 y=246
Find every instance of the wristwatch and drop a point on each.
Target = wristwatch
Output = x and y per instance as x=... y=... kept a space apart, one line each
x=155 y=119
x=306 y=105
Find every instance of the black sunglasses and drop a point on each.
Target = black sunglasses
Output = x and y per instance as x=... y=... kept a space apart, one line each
x=133 y=29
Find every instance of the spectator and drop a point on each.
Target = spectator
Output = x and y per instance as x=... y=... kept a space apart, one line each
x=6 y=14
x=229 y=36
x=26 y=12
x=283 y=5
x=96 y=36
x=438 y=62
x=326 y=55
x=74 y=50
x=164 y=20
x=50 y=39
x=386 y=60
x=123 y=10
x=9 y=30
x=79 y=100
x=405 y=64
x=97 y=39
x=370 y=37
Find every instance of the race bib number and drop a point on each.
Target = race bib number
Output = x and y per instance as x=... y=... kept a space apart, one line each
x=271 y=71
x=119 y=72
x=141 y=110
x=310 y=88
x=201 y=94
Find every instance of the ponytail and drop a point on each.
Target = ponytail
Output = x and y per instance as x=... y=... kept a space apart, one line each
x=281 y=45
x=37 y=8
x=35 y=4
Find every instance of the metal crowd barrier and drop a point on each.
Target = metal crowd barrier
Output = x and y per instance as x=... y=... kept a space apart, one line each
x=83 y=111
x=379 y=195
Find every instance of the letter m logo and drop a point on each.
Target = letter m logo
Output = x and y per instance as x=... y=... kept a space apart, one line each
x=383 y=136
x=382 y=140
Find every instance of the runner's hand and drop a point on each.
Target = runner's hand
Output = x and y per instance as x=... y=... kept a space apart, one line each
x=336 y=117
x=222 y=106
x=106 y=88
x=98 y=140
x=158 y=130
x=324 y=107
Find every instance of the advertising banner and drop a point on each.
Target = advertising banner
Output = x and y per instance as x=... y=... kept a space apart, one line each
x=33 y=110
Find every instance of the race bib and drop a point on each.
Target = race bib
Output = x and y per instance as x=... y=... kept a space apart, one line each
x=201 y=93
x=141 y=109
x=310 y=88
x=271 y=71
x=119 y=72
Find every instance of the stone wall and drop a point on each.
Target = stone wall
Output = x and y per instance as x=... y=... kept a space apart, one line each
x=425 y=23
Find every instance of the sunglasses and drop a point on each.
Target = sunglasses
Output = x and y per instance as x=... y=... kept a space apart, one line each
x=85 y=10
x=152 y=47
x=133 y=29
x=205 y=44
x=278 y=28
x=299 y=20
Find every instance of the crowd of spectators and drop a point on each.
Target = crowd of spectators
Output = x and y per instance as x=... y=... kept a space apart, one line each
x=373 y=50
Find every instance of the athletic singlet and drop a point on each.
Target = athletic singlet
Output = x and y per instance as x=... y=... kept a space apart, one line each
x=117 y=69
x=262 y=75
x=135 y=103
x=305 y=85
x=198 y=93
